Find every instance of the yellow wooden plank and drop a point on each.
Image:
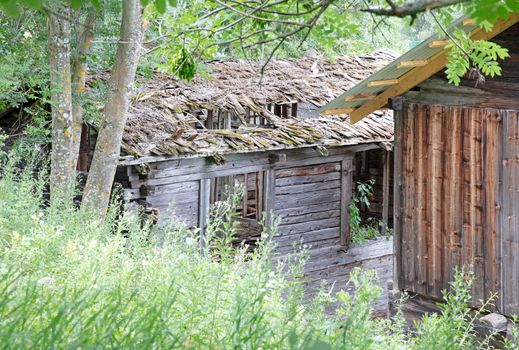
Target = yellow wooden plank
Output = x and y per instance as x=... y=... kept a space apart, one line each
x=438 y=43
x=359 y=97
x=386 y=82
x=409 y=64
x=338 y=111
x=420 y=74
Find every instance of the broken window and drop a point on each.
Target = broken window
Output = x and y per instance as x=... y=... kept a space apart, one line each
x=252 y=203
x=251 y=206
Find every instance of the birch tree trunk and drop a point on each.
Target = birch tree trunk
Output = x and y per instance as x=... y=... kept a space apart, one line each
x=79 y=70
x=96 y=195
x=63 y=162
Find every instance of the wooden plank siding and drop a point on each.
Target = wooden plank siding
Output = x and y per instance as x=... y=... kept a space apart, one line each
x=448 y=209
x=311 y=201
x=317 y=189
x=510 y=220
x=306 y=191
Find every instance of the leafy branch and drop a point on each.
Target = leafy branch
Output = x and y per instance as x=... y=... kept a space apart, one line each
x=412 y=8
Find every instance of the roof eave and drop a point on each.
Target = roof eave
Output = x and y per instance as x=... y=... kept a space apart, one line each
x=411 y=76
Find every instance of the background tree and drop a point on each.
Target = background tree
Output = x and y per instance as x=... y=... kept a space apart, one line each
x=62 y=172
x=108 y=147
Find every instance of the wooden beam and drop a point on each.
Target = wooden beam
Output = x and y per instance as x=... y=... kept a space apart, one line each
x=338 y=111
x=438 y=43
x=346 y=191
x=203 y=209
x=245 y=199
x=385 y=82
x=293 y=110
x=412 y=64
x=419 y=74
x=359 y=97
x=385 y=190
x=269 y=194
x=259 y=195
x=397 y=199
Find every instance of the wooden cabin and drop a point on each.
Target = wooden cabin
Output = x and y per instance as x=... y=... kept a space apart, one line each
x=186 y=142
x=456 y=168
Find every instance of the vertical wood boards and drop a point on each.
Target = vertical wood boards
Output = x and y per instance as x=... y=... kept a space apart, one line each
x=435 y=245
x=385 y=190
x=408 y=254
x=447 y=208
x=492 y=161
x=420 y=205
x=245 y=198
x=510 y=239
x=399 y=116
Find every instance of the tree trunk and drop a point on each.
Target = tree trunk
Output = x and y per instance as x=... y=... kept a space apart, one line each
x=79 y=70
x=62 y=171
x=96 y=195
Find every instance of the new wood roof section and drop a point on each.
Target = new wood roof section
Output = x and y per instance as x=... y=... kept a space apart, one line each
x=409 y=70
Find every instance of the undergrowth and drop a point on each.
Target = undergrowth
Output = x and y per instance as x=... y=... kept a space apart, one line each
x=69 y=281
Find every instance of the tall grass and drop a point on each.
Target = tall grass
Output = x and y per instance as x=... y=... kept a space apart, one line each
x=69 y=281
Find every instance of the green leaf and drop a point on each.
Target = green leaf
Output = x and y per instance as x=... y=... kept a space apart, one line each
x=160 y=5
x=319 y=345
x=173 y=3
x=75 y=4
x=33 y=4
x=513 y=5
x=10 y=8
x=145 y=2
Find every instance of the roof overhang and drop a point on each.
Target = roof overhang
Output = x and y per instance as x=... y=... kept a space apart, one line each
x=409 y=70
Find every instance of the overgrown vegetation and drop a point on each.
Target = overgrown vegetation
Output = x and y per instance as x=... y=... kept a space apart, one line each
x=68 y=281
x=373 y=228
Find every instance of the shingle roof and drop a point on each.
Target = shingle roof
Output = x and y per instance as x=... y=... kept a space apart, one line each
x=167 y=115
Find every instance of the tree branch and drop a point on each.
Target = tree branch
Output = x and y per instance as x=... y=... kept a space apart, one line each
x=411 y=8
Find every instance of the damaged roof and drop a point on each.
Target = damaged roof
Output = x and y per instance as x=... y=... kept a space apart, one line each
x=167 y=115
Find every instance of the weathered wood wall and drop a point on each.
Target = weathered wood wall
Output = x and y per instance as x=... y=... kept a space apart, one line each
x=332 y=265
x=456 y=200
x=308 y=202
x=510 y=213
x=308 y=192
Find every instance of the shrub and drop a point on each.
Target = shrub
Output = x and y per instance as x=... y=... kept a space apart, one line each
x=453 y=328
x=71 y=281
x=373 y=228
